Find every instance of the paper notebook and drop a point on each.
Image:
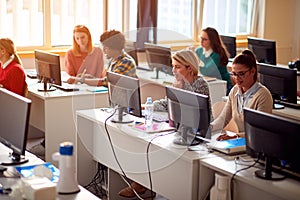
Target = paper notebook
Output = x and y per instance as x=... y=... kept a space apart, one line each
x=230 y=147
x=155 y=128
x=97 y=89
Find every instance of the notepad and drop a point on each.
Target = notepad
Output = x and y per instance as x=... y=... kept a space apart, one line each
x=230 y=147
x=155 y=128
x=97 y=89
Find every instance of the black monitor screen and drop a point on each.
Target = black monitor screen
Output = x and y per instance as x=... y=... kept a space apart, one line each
x=282 y=82
x=14 y=122
x=275 y=138
x=124 y=92
x=230 y=43
x=159 y=58
x=265 y=50
x=48 y=68
x=189 y=113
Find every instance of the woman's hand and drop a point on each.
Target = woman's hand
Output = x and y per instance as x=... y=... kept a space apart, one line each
x=226 y=136
x=72 y=80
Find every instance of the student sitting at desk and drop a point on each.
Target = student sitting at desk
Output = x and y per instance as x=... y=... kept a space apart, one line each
x=113 y=47
x=246 y=93
x=12 y=75
x=185 y=69
x=214 y=55
x=83 y=58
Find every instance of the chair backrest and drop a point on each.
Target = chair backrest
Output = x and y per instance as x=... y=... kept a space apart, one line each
x=216 y=111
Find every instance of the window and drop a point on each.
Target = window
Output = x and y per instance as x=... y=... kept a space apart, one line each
x=229 y=16
x=175 y=20
x=49 y=23
x=27 y=21
x=68 y=13
x=22 y=20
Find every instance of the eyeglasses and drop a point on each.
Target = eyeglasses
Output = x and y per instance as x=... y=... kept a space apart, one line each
x=239 y=74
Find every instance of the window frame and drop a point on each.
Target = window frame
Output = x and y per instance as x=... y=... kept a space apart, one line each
x=196 y=21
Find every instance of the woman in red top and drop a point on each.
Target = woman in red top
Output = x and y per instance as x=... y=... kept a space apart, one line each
x=12 y=75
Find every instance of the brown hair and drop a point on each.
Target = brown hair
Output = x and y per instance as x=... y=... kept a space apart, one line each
x=113 y=39
x=83 y=29
x=8 y=45
x=248 y=59
x=217 y=44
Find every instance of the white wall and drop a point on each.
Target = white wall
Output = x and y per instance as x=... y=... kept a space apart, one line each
x=280 y=22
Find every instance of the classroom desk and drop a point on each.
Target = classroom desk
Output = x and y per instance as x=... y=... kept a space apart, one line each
x=33 y=160
x=288 y=113
x=54 y=113
x=217 y=88
x=246 y=185
x=174 y=170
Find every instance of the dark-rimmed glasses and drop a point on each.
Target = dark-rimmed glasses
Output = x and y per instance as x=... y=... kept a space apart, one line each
x=239 y=74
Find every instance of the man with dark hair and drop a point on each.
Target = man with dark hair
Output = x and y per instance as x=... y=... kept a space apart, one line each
x=120 y=62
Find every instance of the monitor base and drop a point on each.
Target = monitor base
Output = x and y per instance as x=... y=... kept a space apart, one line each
x=274 y=176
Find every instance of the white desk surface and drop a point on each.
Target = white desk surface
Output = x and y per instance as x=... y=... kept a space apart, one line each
x=288 y=113
x=284 y=189
x=174 y=170
x=54 y=113
x=33 y=160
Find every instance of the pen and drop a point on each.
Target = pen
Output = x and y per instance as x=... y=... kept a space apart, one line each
x=82 y=76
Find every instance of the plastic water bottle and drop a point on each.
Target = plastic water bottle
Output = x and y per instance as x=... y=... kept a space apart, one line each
x=148 y=112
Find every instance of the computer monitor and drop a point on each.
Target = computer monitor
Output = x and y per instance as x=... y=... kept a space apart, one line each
x=230 y=43
x=14 y=122
x=273 y=138
x=124 y=92
x=265 y=50
x=189 y=113
x=159 y=58
x=282 y=83
x=48 y=69
x=130 y=48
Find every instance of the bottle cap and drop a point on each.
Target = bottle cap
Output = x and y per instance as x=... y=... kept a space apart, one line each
x=66 y=148
x=149 y=99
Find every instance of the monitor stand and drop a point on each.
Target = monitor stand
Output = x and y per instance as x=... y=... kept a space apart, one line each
x=185 y=136
x=12 y=159
x=267 y=172
x=46 y=86
x=156 y=73
x=121 y=117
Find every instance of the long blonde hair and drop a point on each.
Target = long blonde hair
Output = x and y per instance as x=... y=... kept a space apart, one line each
x=76 y=48
x=8 y=45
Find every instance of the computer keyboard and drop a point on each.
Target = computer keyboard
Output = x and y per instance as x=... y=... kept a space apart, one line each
x=158 y=116
x=291 y=105
x=31 y=74
x=66 y=88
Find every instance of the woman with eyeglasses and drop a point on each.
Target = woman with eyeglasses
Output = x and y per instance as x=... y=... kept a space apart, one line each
x=247 y=92
x=214 y=56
